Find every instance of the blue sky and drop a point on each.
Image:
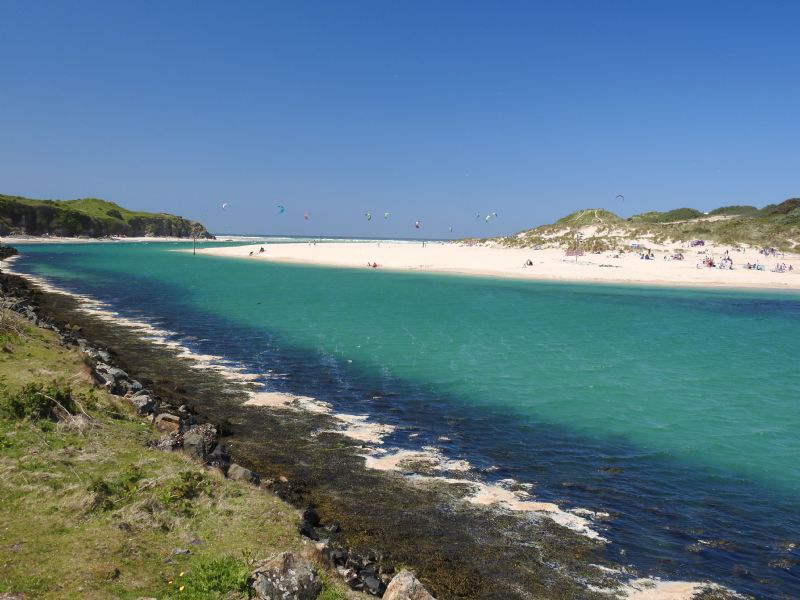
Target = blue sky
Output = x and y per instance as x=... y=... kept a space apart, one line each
x=430 y=110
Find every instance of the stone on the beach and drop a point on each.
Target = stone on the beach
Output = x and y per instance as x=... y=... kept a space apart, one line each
x=144 y=404
x=168 y=423
x=311 y=516
x=239 y=472
x=373 y=585
x=286 y=577
x=200 y=440
x=170 y=441
x=404 y=586
x=194 y=445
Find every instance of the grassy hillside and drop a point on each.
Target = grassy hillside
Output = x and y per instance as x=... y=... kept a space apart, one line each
x=775 y=225
x=90 y=510
x=88 y=217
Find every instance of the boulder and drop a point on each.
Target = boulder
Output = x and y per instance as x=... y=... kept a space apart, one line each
x=311 y=516
x=207 y=434
x=144 y=404
x=168 y=423
x=170 y=441
x=219 y=458
x=193 y=445
x=238 y=472
x=373 y=585
x=404 y=586
x=286 y=577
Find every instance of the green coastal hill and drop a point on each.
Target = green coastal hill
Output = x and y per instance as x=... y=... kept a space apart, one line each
x=775 y=225
x=89 y=217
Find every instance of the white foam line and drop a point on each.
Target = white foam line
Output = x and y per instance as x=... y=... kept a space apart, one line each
x=653 y=588
x=498 y=495
x=147 y=331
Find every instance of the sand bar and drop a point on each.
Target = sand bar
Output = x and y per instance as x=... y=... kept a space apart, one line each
x=549 y=264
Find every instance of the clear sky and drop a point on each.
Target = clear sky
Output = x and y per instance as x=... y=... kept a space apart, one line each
x=430 y=110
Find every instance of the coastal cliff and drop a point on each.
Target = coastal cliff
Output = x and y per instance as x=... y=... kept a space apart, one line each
x=90 y=217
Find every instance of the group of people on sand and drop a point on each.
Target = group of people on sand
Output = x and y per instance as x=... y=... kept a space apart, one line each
x=373 y=264
x=783 y=268
x=260 y=250
x=647 y=255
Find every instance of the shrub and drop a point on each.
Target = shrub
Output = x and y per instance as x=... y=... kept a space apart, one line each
x=37 y=401
x=185 y=488
x=211 y=578
x=112 y=493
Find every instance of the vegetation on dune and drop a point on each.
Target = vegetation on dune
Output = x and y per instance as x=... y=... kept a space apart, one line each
x=671 y=216
x=91 y=217
x=90 y=510
x=589 y=216
x=775 y=225
x=733 y=210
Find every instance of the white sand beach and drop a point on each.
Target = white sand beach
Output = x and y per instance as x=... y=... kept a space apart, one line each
x=549 y=264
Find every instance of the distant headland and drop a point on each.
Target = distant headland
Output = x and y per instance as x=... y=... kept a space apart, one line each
x=89 y=217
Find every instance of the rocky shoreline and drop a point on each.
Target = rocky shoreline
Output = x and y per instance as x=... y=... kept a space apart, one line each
x=181 y=431
x=367 y=524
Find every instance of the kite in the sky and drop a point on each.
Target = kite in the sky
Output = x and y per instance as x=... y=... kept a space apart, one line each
x=306 y=216
x=386 y=215
x=417 y=224
x=451 y=229
x=369 y=216
x=621 y=196
x=225 y=205
x=281 y=209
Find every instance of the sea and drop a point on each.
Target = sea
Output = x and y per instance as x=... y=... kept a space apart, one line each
x=674 y=411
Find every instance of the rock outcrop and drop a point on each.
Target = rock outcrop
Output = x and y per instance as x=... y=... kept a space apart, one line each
x=404 y=586
x=286 y=577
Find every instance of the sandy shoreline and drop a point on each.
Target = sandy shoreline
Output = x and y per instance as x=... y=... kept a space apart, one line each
x=550 y=264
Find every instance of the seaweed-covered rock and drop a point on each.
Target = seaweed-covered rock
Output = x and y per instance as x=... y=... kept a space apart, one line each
x=286 y=577
x=404 y=586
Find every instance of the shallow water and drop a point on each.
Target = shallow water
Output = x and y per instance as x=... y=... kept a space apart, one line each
x=674 y=410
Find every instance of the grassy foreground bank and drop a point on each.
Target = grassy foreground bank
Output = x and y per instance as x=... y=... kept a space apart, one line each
x=90 y=510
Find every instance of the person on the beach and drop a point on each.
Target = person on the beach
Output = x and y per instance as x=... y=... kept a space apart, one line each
x=260 y=250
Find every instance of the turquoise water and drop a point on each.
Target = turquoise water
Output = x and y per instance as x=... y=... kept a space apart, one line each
x=692 y=396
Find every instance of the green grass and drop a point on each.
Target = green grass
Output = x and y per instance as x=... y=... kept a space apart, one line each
x=91 y=511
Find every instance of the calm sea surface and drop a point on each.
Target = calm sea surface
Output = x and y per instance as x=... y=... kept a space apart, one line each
x=676 y=411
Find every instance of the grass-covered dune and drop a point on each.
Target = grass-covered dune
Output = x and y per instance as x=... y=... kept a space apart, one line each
x=89 y=217
x=775 y=225
x=90 y=510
